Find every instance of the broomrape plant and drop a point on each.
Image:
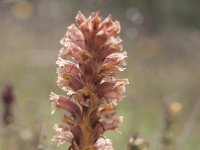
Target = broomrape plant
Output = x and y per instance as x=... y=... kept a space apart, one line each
x=89 y=79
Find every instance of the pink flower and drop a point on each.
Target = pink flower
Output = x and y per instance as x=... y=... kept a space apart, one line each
x=111 y=45
x=113 y=90
x=113 y=63
x=103 y=144
x=69 y=76
x=64 y=103
x=96 y=50
x=76 y=36
x=62 y=135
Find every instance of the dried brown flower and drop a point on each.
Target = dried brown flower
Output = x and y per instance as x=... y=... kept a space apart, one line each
x=137 y=143
x=97 y=54
x=7 y=99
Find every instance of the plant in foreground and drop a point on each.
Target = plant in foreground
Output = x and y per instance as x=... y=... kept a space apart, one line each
x=89 y=80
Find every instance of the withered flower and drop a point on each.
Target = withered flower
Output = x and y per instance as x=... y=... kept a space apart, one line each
x=172 y=110
x=137 y=143
x=7 y=100
x=89 y=80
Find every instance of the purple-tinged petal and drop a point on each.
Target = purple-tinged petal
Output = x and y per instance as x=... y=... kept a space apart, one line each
x=104 y=126
x=62 y=137
x=69 y=76
x=111 y=46
x=114 y=29
x=113 y=63
x=106 y=23
x=96 y=20
x=61 y=127
x=101 y=37
x=64 y=103
x=75 y=52
x=87 y=28
x=103 y=144
x=106 y=111
x=112 y=90
x=80 y=18
x=70 y=84
x=67 y=68
x=112 y=124
x=116 y=59
x=106 y=35
x=74 y=34
x=69 y=120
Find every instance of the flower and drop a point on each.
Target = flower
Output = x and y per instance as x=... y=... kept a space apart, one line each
x=112 y=64
x=103 y=144
x=63 y=134
x=64 y=103
x=89 y=79
x=8 y=98
x=137 y=143
x=112 y=89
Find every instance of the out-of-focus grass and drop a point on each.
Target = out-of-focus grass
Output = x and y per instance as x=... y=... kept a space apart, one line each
x=162 y=65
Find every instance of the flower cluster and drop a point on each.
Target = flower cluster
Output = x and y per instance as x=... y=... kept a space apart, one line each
x=96 y=53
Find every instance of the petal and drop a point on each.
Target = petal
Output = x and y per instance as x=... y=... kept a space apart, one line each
x=68 y=46
x=83 y=96
x=106 y=111
x=113 y=63
x=101 y=37
x=74 y=34
x=80 y=18
x=108 y=70
x=77 y=54
x=112 y=45
x=70 y=84
x=69 y=120
x=54 y=106
x=62 y=137
x=105 y=107
x=64 y=103
x=67 y=68
x=87 y=29
x=116 y=58
x=103 y=144
x=106 y=23
x=96 y=20
x=114 y=29
x=69 y=76
x=67 y=43
x=61 y=127
x=105 y=34
x=113 y=124
x=112 y=90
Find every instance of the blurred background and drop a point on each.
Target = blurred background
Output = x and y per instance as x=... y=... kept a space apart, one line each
x=162 y=39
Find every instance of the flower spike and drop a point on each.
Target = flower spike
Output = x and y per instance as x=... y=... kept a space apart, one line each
x=89 y=79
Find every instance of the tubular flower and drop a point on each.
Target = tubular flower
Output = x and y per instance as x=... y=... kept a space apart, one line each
x=89 y=79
